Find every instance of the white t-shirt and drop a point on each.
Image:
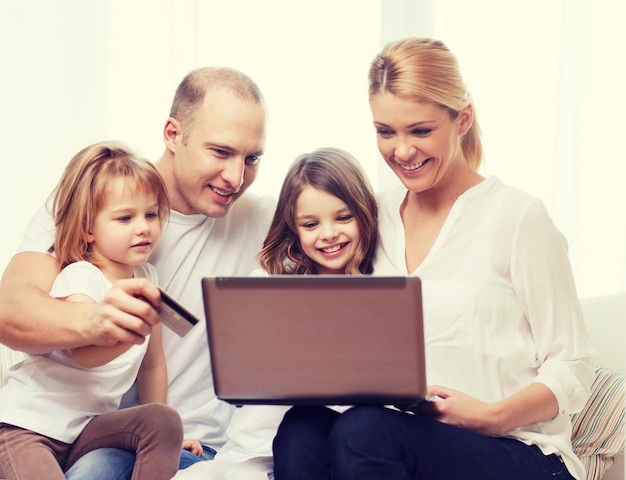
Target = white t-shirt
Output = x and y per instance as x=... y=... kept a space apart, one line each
x=500 y=305
x=52 y=394
x=191 y=247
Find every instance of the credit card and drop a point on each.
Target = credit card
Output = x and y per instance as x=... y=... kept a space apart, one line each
x=175 y=316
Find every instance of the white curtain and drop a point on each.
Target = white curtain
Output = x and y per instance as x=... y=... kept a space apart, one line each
x=545 y=75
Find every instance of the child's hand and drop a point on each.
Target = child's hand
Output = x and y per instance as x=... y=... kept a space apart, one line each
x=193 y=446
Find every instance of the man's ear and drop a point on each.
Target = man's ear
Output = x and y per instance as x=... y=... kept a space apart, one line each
x=170 y=132
x=467 y=119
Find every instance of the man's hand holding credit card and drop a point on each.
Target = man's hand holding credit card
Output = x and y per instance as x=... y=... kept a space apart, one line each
x=175 y=316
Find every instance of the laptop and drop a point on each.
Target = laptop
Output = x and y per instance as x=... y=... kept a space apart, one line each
x=316 y=339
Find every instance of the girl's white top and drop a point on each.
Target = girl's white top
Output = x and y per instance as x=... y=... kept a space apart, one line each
x=50 y=393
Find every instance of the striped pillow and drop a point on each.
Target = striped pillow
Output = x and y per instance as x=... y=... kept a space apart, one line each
x=598 y=430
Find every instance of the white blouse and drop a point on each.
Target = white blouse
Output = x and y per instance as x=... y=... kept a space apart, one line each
x=500 y=305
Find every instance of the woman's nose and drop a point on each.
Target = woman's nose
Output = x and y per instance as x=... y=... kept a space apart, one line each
x=404 y=150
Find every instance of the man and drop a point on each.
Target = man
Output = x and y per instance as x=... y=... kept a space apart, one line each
x=214 y=139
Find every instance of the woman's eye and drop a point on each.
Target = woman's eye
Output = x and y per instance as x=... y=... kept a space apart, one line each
x=422 y=131
x=384 y=133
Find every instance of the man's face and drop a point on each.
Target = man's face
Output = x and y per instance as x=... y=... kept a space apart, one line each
x=217 y=154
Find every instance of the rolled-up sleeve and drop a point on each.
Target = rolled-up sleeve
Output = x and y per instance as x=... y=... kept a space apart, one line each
x=544 y=283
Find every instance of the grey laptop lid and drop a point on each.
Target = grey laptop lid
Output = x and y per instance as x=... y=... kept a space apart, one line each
x=316 y=339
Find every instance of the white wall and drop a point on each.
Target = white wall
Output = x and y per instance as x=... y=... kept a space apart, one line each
x=80 y=71
x=546 y=76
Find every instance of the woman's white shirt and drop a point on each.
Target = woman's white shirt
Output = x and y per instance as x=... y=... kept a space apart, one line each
x=500 y=304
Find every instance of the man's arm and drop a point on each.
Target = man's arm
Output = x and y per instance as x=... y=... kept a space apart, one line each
x=34 y=322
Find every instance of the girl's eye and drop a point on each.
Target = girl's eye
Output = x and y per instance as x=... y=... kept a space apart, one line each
x=124 y=219
x=345 y=218
x=151 y=215
x=309 y=225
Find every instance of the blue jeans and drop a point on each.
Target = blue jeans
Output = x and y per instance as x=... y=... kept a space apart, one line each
x=375 y=442
x=117 y=464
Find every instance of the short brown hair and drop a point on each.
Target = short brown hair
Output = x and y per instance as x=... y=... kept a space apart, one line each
x=193 y=88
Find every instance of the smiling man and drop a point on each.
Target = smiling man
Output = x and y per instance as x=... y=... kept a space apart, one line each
x=214 y=138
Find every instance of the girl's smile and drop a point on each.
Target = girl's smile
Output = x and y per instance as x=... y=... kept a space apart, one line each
x=327 y=230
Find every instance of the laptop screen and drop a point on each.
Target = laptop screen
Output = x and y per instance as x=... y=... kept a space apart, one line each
x=316 y=339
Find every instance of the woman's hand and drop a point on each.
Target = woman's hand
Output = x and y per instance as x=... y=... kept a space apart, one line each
x=461 y=410
x=535 y=403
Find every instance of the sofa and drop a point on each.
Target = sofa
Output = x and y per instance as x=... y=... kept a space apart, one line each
x=598 y=431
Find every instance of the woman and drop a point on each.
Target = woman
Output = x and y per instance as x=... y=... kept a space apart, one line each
x=508 y=357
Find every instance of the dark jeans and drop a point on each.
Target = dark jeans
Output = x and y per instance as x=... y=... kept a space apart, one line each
x=375 y=442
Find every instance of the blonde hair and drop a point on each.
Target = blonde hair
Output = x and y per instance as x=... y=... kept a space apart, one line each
x=425 y=70
x=333 y=171
x=82 y=191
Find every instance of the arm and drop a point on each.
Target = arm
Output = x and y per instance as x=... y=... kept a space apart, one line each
x=34 y=322
x=535 y=403
x=152 y=375
x=94 y=355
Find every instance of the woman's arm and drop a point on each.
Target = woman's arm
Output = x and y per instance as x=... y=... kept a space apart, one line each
x=535 y=403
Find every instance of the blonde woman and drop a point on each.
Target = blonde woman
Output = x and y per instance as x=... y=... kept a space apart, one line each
x=508 y=357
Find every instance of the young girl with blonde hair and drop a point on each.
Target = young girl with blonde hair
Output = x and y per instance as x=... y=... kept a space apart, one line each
x=108 y=207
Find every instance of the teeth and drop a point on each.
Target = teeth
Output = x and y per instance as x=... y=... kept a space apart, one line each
x=223 y=193
x=332 y=249
x=410 y=168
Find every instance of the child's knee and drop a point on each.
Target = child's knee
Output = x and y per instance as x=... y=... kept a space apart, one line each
x=165 y=421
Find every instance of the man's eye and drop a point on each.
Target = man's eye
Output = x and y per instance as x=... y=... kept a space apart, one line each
x=252 y=160
x=219 y=152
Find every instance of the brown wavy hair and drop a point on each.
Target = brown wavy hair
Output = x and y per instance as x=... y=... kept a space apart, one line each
x=338 y=173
